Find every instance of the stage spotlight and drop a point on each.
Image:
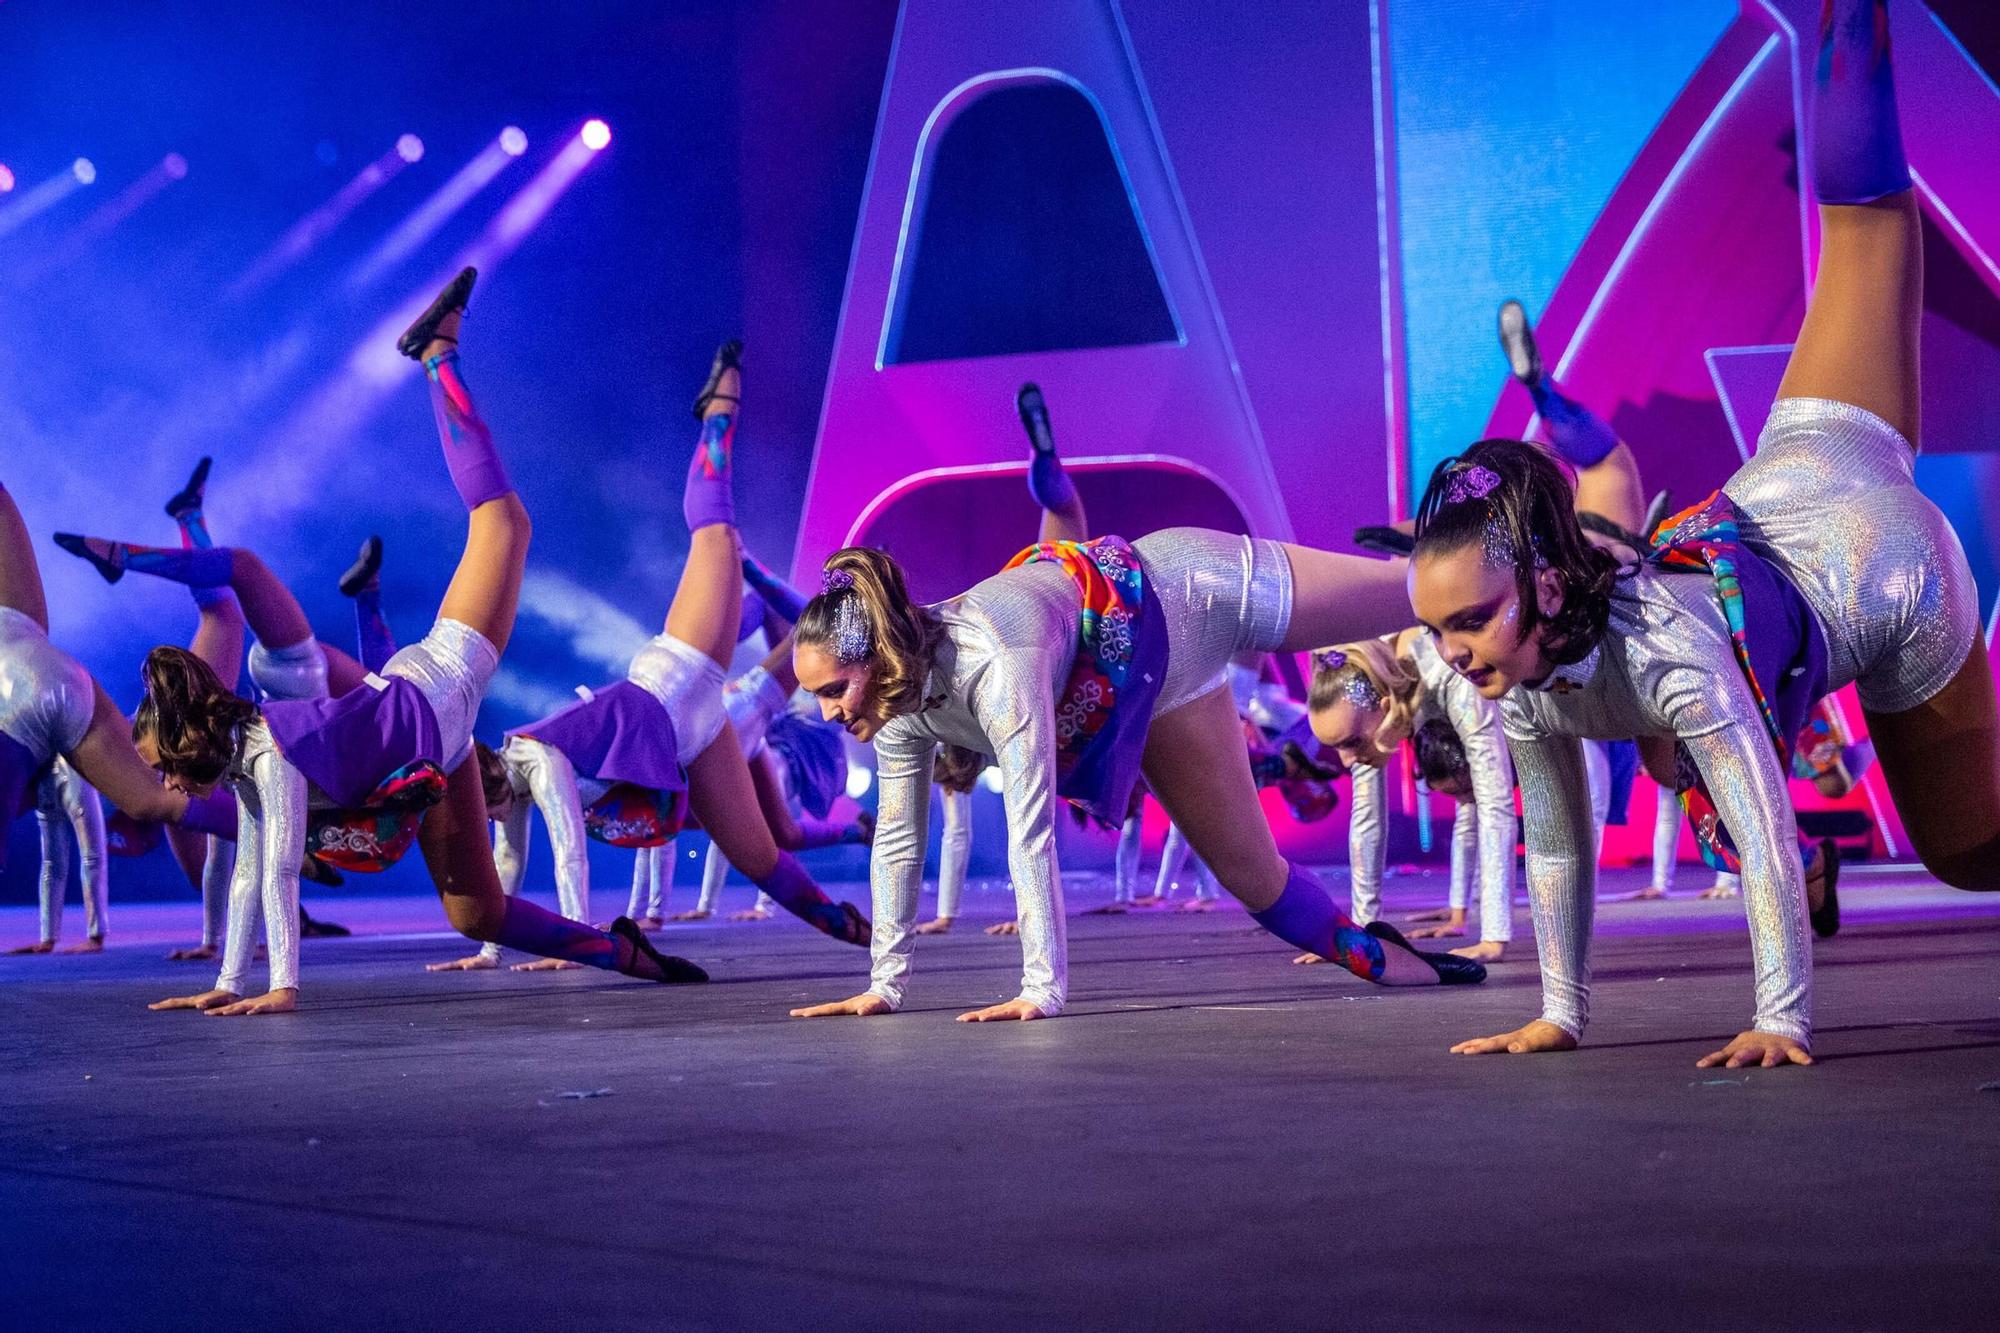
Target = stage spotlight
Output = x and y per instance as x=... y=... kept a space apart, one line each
x=410 y=148
x=84 y=172
x=175 y=166
x=6 y=179
x=596 y=134
x=513 y=142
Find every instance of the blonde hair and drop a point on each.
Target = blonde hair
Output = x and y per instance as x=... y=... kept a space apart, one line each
x=1392 y=680
x=901 y=639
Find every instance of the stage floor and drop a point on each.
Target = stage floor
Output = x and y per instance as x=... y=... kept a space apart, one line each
x=1209 y=1138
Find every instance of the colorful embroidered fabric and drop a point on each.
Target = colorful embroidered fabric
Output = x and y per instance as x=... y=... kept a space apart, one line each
x=1107 y=703
x=629 y=815
x=1784 y=663
x=374 y=835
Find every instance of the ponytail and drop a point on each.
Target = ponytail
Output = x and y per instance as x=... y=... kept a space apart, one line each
x=190 y=717
x=864 y=613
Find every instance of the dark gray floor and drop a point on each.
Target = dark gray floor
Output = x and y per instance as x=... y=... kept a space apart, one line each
x=1210 y=1138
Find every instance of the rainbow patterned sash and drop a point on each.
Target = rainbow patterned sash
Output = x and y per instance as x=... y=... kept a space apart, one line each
x=375 y=835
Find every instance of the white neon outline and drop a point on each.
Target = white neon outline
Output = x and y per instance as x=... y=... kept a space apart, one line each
x=957 y=100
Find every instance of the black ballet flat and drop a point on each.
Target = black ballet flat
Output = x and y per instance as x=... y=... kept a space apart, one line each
x=79 y=546
x=1035 y=418
x=859 y=931
x=188 y=500
x=1451 y=969
x=1385 y=541
x=1656 y=514
x=455 y=295
x=728 y=357
x=311 y=929
x=315 y=871
x=364 y=569
x=673 y=971
x=1524 y=359
x=1826 y=920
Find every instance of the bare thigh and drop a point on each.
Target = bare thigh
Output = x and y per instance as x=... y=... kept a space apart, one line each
x=725 y=801
x=460 y=859
x=1859 y=341
x=1342 y=598
x=20 y=576
x=1200 y=773
x=485 y=589
x=1941 y=760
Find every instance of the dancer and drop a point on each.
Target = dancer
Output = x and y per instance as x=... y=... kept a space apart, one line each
x=1068 y=667
x=956 y=771
x=1367 y=699
x=1823 y=563
x=658 y=743
x=51 y=709
x=383 y=750
x=67 y=809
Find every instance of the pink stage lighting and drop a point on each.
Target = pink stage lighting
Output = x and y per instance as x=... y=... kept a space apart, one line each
x=513 y=142
x=410 y=148
x=6 y=179
x=596 y=134
x=175 y=166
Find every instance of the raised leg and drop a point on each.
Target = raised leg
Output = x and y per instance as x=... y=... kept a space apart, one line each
x=1339 y=599
x=707 y=608
x=20 y=576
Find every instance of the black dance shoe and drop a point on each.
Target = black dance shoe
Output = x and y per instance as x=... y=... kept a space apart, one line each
x=188 y=501
x=112 y=569
x=1826 y=917
x=1035 y=418
x=364 y=569
x=1451 y=969
x=673 y=971
x=455 y=295
x=1385 y=541
x=1524 y=359
x=728 y=357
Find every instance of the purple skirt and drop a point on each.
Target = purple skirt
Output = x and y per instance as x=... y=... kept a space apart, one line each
x=815 y=758
x=620 y=734
x=347 y=746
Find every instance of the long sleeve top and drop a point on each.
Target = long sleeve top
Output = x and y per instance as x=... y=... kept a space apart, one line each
x=67 y=807
x=272 y=802
x=1477 y=721
x=1665 y=667
x=1009 y=644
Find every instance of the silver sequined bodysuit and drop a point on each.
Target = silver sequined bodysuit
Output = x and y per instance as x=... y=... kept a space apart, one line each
x=1828 y=499
x=1009 y=644
x=46 y=697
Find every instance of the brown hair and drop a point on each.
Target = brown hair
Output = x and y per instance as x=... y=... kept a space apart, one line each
x=902 y=637
x=494 y=784
x=190 y=716
x=1375 y=661
x=1526 y=512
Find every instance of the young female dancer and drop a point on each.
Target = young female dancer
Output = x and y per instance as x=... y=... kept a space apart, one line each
x=66 y=809
x=659 y=741
x=404 y=729
x=956 y=772
x=1075 y=667
x=1833 y=568
x=51 y=709
x=1367 y=699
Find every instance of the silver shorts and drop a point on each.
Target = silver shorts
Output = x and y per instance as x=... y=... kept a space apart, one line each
x=1831 y=500
x=688 y=684
x=47 y=699
x=1223 y=594
x=451 y=665
x=297 y=672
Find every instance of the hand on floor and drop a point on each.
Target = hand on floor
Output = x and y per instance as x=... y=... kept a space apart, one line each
x=866 y=1005
x=1530 y=1040
x=95 y=944
x=477 y=962
x=1005 y=928
x=271 y=1002
x=750 y=914
x=194 y=954
x=40 y=946
x=1001 y=1013
x=545 y=965
x=1752 y=1050
x=1486 y=951
x=208 y=999
x=1450 y=930
x=937 y=927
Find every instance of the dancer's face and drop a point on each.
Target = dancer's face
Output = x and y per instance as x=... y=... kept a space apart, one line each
x=1350 y=729
x=1471 y=607
x=843 y=691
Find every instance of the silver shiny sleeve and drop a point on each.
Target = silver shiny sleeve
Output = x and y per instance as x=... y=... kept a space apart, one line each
x=552 y=783
x=281 y=791
x=1367 y=841
x=954 y=851
x=1562 y=871
x=512 y=838
x=244 y=882
x=1018 y=711
x=1477 y=721
x=1741 y=769
x=85 y=811
x=896 y=863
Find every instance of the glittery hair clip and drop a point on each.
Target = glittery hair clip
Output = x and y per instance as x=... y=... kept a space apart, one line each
x=850 y=623
x=1471 y=483
x=1333 y=659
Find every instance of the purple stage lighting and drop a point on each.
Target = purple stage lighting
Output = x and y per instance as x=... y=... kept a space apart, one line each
x=315 y=226
x=596 y=134
x=175 y=166
x=6 y=179
x=435 y=211
x=44 y=196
